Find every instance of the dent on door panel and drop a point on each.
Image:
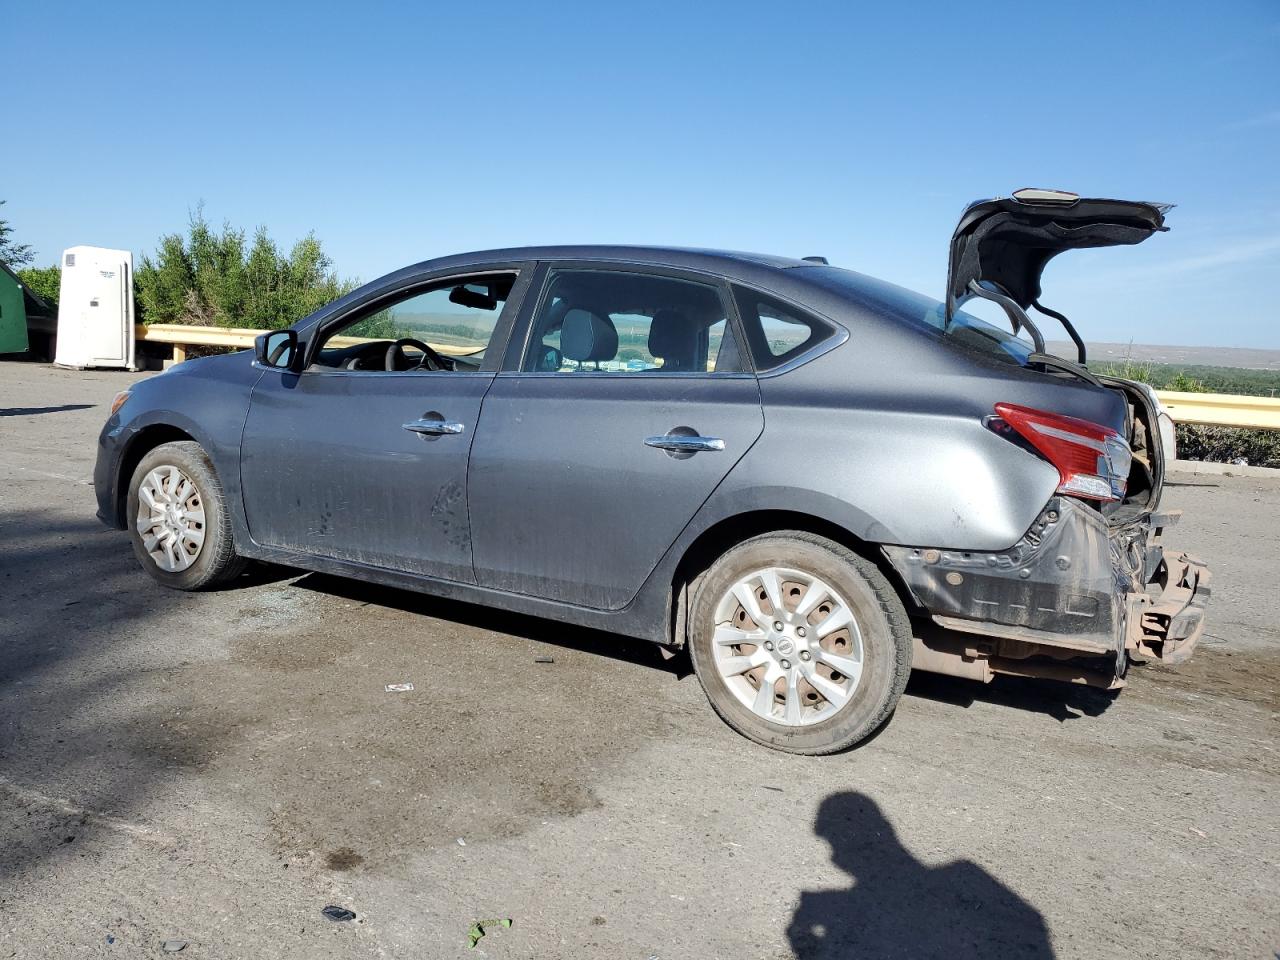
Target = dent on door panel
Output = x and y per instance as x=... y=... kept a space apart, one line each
x=567 y=501
x=329 y=469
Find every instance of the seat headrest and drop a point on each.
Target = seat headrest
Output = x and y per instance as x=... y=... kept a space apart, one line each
x=584 y=336
x=673 y=338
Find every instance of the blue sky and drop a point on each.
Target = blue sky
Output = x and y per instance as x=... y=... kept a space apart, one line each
x=401 y=132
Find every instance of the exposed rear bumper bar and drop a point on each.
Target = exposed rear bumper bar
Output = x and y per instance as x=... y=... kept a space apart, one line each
x=1167 y=626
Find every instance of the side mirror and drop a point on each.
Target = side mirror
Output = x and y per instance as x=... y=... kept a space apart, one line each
x=276 y=349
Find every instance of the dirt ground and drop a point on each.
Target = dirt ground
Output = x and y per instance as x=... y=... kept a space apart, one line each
x=217 y=768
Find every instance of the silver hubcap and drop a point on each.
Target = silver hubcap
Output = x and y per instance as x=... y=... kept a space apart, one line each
x=170 y=518
x=788 y=646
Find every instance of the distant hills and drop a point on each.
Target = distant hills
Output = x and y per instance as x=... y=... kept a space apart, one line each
x=1247 y=358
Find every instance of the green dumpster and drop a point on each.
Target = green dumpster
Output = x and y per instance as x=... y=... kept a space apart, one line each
x=13 y=313
x=27 y=322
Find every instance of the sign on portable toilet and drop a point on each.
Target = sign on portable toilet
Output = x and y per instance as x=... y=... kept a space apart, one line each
x=95 y=309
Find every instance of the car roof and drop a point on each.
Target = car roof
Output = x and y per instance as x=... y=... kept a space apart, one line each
x=780 y=275
x=728 y=261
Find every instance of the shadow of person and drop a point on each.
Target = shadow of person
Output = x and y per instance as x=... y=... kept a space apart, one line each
x=1061 y=701
x=898 y=907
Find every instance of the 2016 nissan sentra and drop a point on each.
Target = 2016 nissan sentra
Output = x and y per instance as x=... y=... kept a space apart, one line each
x=813 y=479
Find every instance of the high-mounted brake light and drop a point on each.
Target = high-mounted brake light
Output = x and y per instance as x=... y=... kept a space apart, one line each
x=1093 y=461
x=1038 y=195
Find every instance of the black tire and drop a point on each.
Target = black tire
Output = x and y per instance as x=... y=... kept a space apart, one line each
x=217 y=561
x=881 y=618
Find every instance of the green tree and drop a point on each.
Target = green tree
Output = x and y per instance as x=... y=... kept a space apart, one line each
x=212 y=277
x=262 y=283
x=44 y=282
x=11 y=253
x=162 y=285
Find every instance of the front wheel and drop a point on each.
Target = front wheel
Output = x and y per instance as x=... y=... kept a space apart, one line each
x=178 y=519
x=799 y=643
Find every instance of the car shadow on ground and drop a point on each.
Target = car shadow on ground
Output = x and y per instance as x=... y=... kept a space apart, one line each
x=627 y=649
x=900 y=907
x=1062 y=701
x=32 y=411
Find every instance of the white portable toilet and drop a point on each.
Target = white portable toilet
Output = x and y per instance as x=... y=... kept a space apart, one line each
x=95 y=309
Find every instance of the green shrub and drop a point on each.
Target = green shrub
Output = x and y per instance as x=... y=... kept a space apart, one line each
x=1261 y=448
x=1185 y=384
x=1129 y=369
x=43 y=282
x=210 y=278
x=1195 y=378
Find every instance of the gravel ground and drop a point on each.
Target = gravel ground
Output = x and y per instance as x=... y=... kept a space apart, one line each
x=217 y=768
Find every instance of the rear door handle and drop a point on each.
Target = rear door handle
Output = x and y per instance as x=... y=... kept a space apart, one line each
x=434 y=428
x=681 y=444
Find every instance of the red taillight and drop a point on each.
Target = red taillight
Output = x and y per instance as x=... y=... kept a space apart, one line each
x=1092 y=460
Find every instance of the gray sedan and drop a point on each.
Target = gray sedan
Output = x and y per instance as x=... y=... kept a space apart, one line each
x=811 y=479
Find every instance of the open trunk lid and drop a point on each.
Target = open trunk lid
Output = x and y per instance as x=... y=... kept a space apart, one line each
x=1001 y=246
x=999 y=251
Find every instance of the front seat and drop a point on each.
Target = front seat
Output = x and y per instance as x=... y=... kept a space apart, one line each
x=587 y=338
x=673 y=338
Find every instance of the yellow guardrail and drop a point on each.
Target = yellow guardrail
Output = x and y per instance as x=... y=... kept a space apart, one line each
x=1210 y=409
x=183 y=336
x=1222 y=409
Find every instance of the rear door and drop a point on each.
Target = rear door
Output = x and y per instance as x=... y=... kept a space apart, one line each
x=353 y=461
x=630 y=400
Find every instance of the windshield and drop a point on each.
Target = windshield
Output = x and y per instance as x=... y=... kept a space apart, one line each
x=926 y=314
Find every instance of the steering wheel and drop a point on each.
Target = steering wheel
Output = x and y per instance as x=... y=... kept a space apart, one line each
x=395 y=357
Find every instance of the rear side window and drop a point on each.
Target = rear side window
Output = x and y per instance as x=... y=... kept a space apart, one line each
x=614 y=321
x=778 y=332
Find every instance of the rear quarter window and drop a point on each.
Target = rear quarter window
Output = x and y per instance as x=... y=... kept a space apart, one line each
x=778 y=332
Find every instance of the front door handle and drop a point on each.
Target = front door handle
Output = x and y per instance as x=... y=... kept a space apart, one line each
x=676 y=443
x=434 y=428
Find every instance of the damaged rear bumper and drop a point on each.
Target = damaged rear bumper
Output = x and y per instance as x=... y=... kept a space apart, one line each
x=1074 y=590
x=1167 y=623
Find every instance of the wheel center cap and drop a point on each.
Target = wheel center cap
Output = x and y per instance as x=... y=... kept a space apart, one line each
x=786 y=647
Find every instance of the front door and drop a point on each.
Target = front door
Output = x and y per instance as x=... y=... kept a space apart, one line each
x=632 y=402
x=362 y=456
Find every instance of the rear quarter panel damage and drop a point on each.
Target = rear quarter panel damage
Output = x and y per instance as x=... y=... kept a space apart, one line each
x=1064 y=582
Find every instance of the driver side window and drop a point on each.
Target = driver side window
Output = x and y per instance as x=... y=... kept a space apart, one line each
x=444 y=326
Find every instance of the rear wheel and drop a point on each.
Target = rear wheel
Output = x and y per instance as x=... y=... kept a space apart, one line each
x=799 y=643
x=178 y=519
